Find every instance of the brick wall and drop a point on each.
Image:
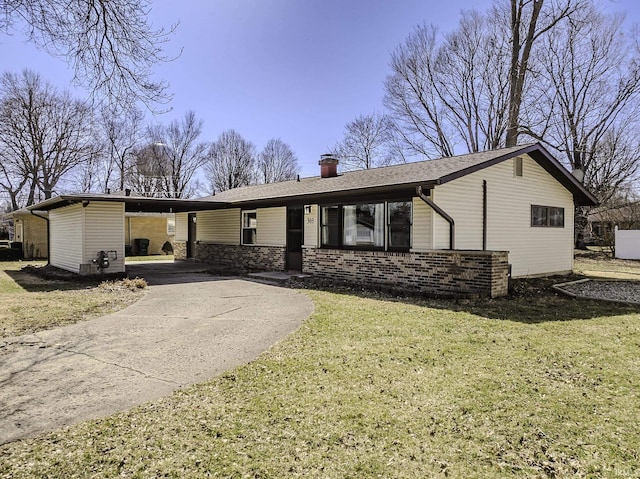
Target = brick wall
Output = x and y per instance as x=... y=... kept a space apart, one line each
x=241 y=259
x=153 y=228
x=448 y=273
x=34 y=233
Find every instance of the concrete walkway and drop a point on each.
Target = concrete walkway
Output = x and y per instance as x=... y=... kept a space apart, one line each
x=188 y=327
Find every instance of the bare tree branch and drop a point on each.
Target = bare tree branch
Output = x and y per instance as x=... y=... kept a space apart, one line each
x=44 y=134
x=110 y=44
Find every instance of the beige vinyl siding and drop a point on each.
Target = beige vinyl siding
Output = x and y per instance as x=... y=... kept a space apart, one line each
x=218 y=226
x=104 y=231
x=311 y=225
x=272 y=226
x=66 y=234
x=182 y=227
x=422 y=231
x=532 y=250
x=462 y=200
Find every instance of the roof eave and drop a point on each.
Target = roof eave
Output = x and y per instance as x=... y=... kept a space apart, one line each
x=132 y=204
x=321 y=197
x=581 y=196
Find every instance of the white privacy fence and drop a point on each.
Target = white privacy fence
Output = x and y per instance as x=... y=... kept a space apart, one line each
x=627 y=244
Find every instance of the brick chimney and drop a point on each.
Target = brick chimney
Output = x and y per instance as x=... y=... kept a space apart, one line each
x=328 y=166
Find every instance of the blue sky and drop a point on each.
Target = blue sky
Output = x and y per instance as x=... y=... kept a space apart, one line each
x=294 y=69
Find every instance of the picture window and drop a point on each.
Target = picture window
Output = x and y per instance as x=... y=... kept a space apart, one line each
x=372 y=226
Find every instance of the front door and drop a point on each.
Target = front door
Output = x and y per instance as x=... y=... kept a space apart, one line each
x=295 y=219
x=191 y=236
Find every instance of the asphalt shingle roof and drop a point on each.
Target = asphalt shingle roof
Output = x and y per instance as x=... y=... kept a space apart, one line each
x=396 y=175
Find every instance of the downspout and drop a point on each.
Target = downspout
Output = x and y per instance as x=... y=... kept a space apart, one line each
x=484 y=215
x=46 y=218
x=442 y=213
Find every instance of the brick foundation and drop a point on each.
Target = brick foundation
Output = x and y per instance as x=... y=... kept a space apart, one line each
x=180 y=250
x=241 y=259
x=438 y=272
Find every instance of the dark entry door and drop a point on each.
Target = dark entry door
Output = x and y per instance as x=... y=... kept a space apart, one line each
x=191 y=236
x=295 y=231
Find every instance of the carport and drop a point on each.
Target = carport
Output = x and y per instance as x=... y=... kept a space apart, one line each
x=85 y=232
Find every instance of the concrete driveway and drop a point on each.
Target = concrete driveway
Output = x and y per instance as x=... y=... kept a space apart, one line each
x=188 y=327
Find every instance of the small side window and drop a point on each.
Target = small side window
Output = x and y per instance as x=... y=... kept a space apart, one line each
x=249 y=227
x=547 y=216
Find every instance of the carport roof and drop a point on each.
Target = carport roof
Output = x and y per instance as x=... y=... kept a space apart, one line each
x=132 y=203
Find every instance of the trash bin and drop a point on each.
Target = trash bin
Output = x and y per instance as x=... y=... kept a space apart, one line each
x=142 y=246
x=17 y=245
x=128 y=250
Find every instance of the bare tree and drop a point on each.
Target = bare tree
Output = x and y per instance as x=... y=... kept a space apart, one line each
x=177 y=154
x=231 y=162
x=590 y=93
x=122 y=135
x=44 y=134
x=451 y=90
x=366 y=143
x=110 y=43
x=276 y=162
x=412 y=95
x=529 y=21
x=469 y=86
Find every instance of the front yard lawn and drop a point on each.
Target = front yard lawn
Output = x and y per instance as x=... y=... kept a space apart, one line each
x=29 y=303
x=535 y=385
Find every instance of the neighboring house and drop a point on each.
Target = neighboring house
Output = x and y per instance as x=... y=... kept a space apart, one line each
x=451 y=226
x=602 y=221
x=30 y=230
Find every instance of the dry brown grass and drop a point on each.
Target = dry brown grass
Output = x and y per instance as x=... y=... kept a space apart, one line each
x=29 y=303
x=536 y=385
x=596 y=264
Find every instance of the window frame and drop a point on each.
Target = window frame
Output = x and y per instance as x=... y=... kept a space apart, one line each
x=388 y=227
x=340 y=225
x=244 y=228
x=367 y=247
x=548 y=216
x=324 y=224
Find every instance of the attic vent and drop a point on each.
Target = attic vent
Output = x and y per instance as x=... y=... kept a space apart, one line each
x=517 y=166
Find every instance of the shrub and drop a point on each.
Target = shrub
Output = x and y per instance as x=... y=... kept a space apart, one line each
x=134 y=284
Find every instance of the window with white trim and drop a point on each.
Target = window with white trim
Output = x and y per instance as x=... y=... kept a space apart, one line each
x=249 y=227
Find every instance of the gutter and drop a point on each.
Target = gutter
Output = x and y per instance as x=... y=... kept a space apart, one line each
x=442 y=213
x=46 y=218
